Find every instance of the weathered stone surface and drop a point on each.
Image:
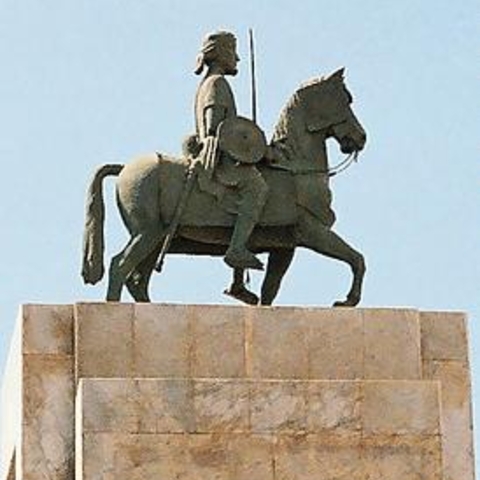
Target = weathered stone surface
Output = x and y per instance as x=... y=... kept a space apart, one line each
x=278 y=406
x=162 y=341
x=263 y=407
x=314 y=457
x=444 y=336
x=239 y=457
x=104 y=340
x=38 y=397
x=335 y=343
x=455 y=418
x=218 y=341
x=276 y=343
x=221 y=406
x=401 y=458
x=334 y=406
x=400 y=407
x=48 y=329
x=38 y=392
x=251 y=457
x=48 y=420
x=240 y=394
x=143 y=457
x=392 y=344
x=136 y=406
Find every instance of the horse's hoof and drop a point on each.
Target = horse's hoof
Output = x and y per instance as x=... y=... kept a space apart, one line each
x=242 y=294
x=347 y=303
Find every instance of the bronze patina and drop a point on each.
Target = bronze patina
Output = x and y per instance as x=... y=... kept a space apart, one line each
x=231 y=194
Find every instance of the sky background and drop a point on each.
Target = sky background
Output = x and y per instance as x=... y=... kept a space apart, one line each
x=88 y=82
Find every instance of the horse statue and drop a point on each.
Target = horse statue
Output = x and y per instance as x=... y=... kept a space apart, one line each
x=297 y=212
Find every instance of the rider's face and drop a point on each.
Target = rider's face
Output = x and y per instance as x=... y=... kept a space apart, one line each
x=230 y=60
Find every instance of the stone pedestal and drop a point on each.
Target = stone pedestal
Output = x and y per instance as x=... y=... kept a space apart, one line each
x=114 y=391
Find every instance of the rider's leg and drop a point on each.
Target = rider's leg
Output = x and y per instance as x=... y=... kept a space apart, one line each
x=252 y=190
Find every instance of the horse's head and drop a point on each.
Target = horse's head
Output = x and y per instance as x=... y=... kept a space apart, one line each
x=327 y=108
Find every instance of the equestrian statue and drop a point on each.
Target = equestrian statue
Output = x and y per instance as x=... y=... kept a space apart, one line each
x=232 y=194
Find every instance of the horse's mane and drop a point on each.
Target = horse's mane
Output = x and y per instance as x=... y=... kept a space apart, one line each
x=282 y=128
x=316 y=95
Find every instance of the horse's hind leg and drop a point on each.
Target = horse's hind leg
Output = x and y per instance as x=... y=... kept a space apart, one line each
x=124 y=264
x=317 y=237
x=137 y=283
x=278 y=263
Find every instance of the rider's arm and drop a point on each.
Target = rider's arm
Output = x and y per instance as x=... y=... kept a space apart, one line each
x=213 y=116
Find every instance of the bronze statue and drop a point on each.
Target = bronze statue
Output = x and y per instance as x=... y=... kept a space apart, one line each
x=232 y=195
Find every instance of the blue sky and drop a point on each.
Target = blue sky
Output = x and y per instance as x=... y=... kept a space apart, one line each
x=88 y=82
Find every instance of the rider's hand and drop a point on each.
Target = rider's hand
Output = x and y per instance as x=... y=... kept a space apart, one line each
x=270 y=155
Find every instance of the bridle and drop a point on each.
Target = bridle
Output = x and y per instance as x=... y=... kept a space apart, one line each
x=330 y=172
x=343 y=165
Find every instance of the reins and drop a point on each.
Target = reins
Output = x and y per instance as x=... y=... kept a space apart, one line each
x=331 y=172
x=343 y=165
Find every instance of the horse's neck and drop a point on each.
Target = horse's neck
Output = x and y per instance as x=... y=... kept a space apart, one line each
x=303 y=150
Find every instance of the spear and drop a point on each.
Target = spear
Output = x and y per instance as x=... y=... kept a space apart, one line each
x=252 y=72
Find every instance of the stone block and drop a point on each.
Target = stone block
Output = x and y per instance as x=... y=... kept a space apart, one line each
x=278 y=406
x=143 y=457
x=318 y=457
x=334 y=406
x=218 y=336
x=444 y=336
x=276 y=343
x=46 y=448
x=112 y=456
x=455 y=418
x=221 y=406
x=334 y=343
x=104 y=340
x=251 y=457
x=162 y=341
x=400 y=408
x=37 y=398
x=135 y=406
x=392 y=344
x=173 y=403
x=207 y=456
x=47 y=329
x=106 y=405
x=401 y=458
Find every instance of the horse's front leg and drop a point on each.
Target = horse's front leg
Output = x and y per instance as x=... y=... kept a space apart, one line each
x=278 y=263
x=317 y=237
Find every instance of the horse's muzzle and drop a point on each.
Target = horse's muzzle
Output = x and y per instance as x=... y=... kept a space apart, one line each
x=350 y=145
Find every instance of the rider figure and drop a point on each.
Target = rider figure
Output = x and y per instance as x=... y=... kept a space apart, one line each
x=214 y=102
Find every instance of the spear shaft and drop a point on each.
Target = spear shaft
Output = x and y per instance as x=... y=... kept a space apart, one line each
x=253 y=80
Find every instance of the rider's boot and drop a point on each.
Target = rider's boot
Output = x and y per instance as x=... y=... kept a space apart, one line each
x=238 y=256
x=239 y=291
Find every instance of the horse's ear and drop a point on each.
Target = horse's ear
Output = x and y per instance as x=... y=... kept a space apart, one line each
x=338 y=74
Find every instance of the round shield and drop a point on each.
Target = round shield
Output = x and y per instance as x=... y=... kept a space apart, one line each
x=242 y=139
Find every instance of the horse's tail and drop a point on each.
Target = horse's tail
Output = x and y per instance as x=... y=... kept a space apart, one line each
x=93 y=239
